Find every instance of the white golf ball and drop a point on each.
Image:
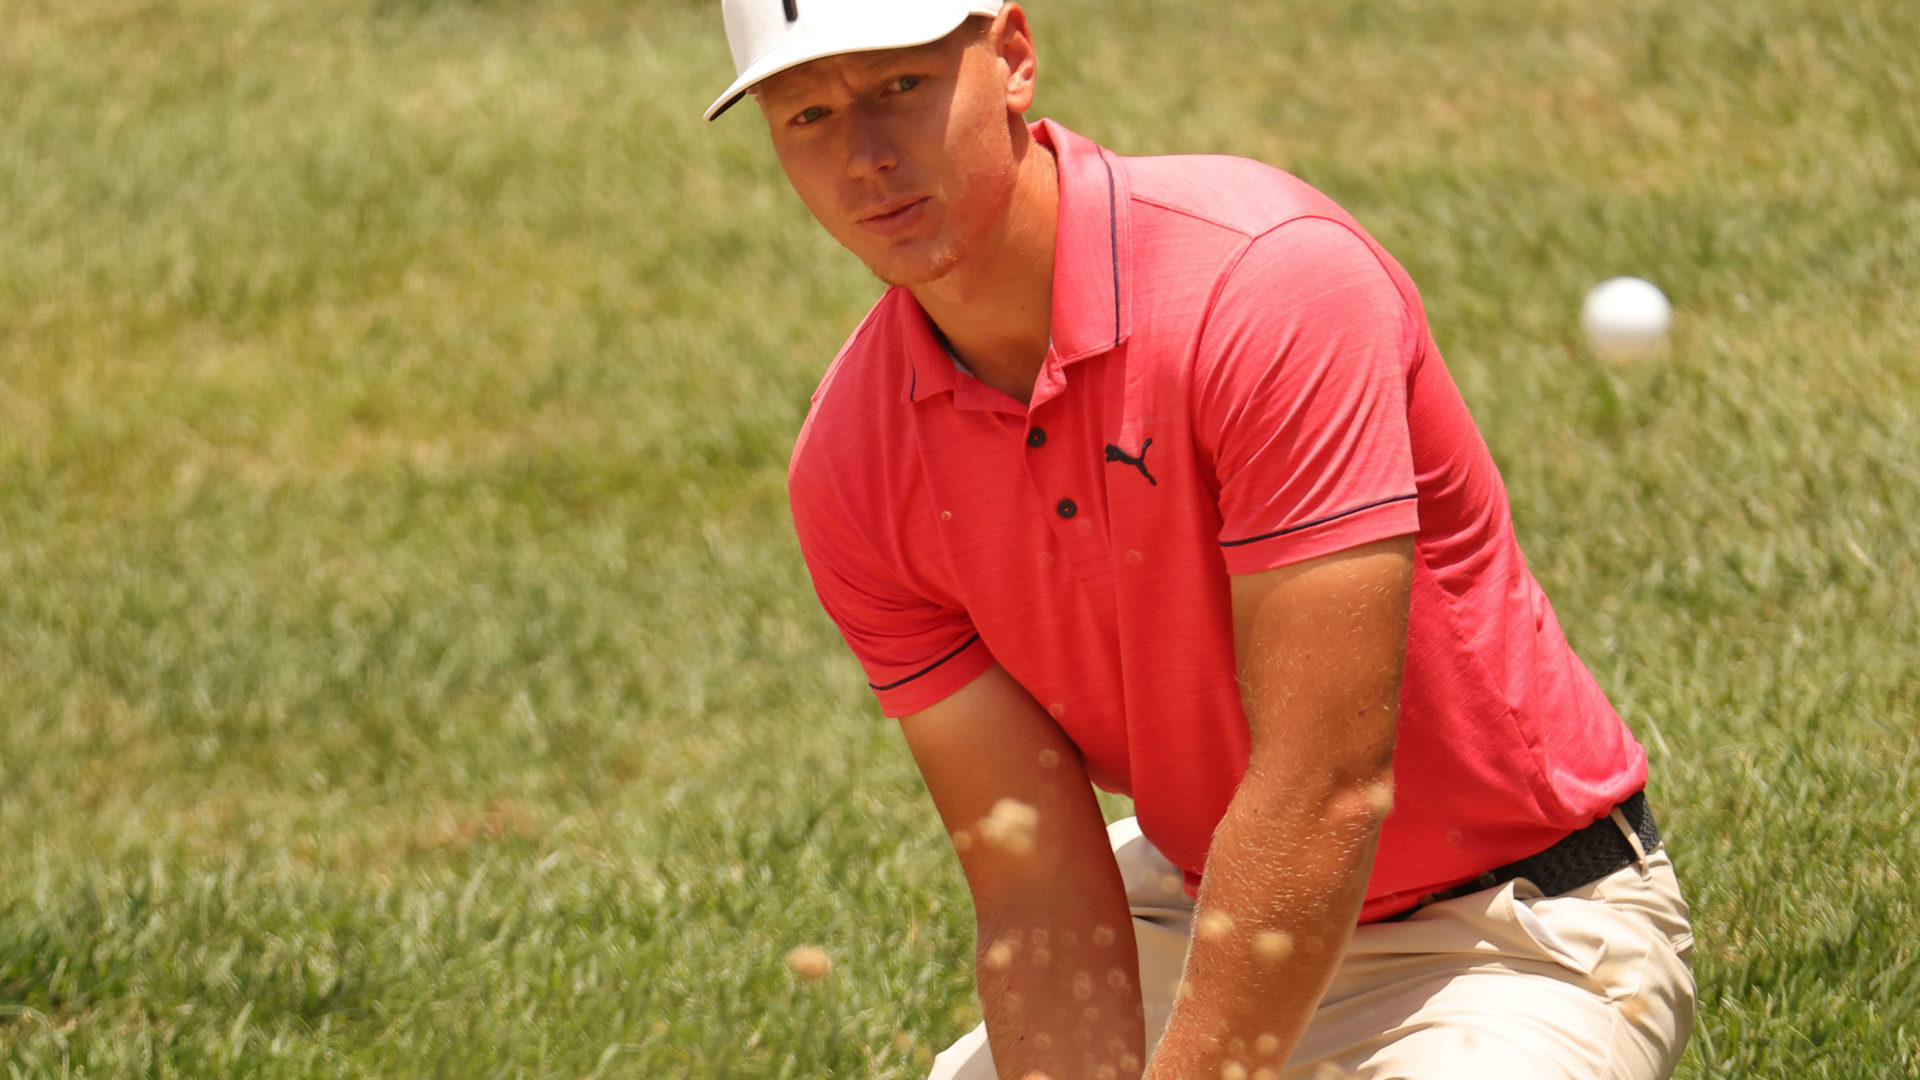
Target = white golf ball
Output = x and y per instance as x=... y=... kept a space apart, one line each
x=1626 y=317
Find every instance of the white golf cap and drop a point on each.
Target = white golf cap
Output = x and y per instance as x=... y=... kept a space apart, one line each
x=770 y=36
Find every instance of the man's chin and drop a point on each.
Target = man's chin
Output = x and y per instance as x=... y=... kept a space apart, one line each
x=906 y=272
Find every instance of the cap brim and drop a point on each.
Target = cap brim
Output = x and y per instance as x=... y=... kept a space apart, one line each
x=916 y=29
x=726 y=102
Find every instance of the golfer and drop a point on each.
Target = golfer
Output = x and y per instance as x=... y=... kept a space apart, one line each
x=1147 y=472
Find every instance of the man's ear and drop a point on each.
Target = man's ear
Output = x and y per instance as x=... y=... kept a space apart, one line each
x=1011 y=40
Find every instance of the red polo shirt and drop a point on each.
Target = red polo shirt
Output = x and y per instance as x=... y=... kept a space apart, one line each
x=1239 y=379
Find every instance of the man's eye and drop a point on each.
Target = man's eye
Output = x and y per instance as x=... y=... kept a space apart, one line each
x=904 y=82
x=808 y=116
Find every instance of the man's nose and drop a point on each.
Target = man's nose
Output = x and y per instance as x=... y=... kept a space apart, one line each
x=870 y=151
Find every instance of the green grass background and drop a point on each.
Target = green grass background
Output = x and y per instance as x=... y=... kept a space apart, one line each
x=405 y=665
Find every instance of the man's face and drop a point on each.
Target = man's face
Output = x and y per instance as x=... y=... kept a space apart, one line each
x=905 y=156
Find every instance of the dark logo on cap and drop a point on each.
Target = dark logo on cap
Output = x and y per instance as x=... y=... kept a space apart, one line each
x=1139 y=461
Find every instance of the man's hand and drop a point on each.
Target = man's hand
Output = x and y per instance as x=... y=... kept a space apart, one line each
x=1057 y=967
x=1320 y=646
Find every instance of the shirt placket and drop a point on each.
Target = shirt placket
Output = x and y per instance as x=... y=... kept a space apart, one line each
x=1060 y=459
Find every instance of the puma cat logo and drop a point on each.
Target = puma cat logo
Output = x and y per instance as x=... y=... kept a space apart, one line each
x=1139 y=461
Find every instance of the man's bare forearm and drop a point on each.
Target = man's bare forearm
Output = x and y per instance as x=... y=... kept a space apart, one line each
x=1285 y=880
x=1059 y=984
x=1057 y=963
x=1320 y=646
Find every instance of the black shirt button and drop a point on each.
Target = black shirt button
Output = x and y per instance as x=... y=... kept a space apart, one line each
x=1036 y=438
x=1066 y=509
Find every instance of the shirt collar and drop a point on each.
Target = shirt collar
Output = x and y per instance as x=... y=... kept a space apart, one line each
x=1090 y=312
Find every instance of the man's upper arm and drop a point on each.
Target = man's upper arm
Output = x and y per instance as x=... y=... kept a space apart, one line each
x=991 y=741
x=1301 y=402
x=1320 y=647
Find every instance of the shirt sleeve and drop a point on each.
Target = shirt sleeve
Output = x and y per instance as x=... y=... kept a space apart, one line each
x=1301 y=398
x=915 y=650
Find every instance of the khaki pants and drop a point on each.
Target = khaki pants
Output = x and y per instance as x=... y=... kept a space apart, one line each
x=1594 y=984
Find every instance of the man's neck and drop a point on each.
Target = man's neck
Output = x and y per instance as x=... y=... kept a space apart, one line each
x=996 y=309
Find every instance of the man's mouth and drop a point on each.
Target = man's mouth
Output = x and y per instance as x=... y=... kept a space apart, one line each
x=894 y=216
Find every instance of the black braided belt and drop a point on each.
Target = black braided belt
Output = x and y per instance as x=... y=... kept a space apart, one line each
x=1586 y=855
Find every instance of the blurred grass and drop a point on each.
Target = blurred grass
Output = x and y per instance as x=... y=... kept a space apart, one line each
x=405 y=667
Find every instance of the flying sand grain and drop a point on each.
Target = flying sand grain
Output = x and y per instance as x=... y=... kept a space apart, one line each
x=1215 y=925
x=1010 y=826
x=810 y=962
x=999 y=956
x=1272 y=945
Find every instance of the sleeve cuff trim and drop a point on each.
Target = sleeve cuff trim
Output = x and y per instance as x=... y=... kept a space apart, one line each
x=964 y=646
x=1292 y=529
